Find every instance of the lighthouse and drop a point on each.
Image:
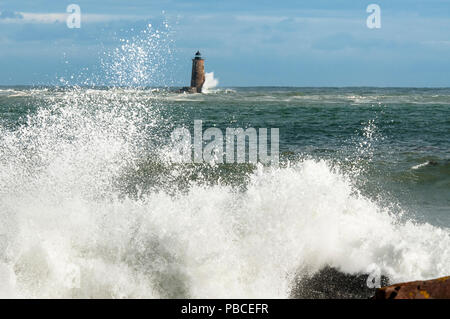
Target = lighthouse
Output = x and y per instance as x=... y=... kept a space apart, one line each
x=198 y=75
x=198 y=72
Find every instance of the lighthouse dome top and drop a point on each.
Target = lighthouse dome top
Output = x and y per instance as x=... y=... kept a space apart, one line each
x=198 y=56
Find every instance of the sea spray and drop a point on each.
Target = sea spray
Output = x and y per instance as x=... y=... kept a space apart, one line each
x=143 y=60
x=210 y=83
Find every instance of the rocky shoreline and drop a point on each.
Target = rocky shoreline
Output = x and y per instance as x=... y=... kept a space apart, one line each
x=422 y=289
x=330 y=283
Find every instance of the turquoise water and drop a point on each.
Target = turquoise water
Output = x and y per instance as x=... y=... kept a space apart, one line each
x=87 y=182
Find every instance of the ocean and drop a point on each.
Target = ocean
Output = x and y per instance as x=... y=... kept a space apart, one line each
x=92 y=206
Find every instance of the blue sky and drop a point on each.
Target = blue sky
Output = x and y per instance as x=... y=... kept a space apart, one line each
x=245 y=43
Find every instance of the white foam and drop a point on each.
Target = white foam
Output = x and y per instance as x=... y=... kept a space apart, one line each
x=420 y=165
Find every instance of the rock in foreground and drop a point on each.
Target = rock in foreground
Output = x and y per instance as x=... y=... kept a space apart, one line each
x=427 y=289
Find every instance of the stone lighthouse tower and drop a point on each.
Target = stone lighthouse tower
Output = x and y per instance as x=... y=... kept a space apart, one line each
x=198 y=73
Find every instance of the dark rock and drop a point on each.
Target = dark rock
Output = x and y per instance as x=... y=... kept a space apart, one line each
x=330 y=283
x=189 y=89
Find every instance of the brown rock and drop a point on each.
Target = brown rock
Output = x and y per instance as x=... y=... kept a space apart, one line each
x=427 y=289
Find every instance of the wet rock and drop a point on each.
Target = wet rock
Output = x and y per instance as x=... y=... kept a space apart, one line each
x=330 y=283
x=427 y=289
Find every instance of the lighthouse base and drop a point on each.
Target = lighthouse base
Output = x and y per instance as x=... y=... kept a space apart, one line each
x=190 y=89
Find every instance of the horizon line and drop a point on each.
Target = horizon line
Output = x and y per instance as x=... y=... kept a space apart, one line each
x=220 y=87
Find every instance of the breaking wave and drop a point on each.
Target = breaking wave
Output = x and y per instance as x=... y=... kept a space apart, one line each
x=210 y=83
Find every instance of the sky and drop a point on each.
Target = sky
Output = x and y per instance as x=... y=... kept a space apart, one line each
x=245 y=43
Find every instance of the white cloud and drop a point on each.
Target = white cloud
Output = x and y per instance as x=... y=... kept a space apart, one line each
x=48 y=18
